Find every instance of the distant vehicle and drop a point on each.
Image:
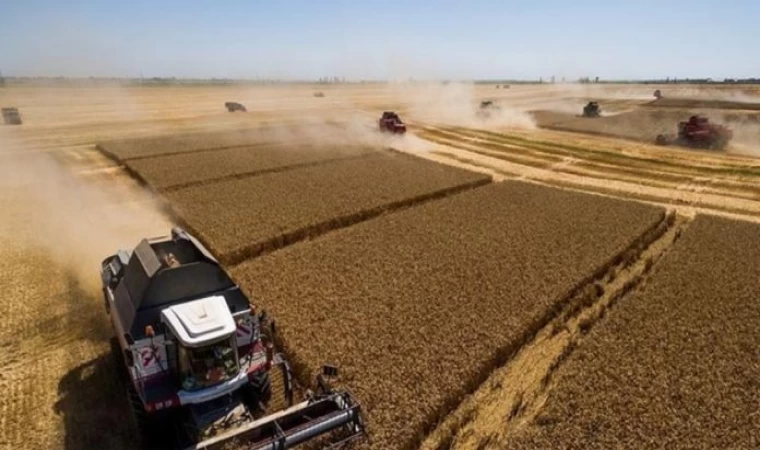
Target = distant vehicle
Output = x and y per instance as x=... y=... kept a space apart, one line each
x=390 y=122
x=592 y=110
x=657 y=94
x=198 y=358
x=487 y=108
x=319 y=94
x=234 y=106
x=698 y=132
x=11 y=116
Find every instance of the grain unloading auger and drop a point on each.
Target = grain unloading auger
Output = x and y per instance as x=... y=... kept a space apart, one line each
x=200 y=361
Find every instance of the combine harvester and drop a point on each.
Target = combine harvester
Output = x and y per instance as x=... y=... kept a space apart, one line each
x=235 y=107
x=592 y=110
x=199 y=357
x=390 y=122
x=698 y=132
x=487 y=108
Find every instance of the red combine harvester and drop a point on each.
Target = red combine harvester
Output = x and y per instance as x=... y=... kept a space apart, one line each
x=390 y=122
x=698 y=132
x=200 y=362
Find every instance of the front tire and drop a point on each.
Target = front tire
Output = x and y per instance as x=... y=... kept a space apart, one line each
x=139 y=418
x=152 y=431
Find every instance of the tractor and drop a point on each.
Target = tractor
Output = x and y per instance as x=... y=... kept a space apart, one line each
x=390 y=122
x=698 y=132
x=234 y=107
x=199 y=362
x=592 y=110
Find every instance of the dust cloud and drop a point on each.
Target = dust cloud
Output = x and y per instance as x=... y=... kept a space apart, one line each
x=746 y=138
x=76 y=222
x=456 y=104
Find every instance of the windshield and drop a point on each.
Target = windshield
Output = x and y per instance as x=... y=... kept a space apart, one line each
x=207 y=366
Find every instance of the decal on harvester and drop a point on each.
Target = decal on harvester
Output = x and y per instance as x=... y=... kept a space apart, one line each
x=149 y=356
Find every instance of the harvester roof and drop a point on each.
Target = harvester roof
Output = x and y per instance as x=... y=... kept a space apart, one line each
x=162 y=273
x=200 y=321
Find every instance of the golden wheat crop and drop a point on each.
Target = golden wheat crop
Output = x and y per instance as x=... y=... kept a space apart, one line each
x=241 y=218
x=417 y=307
x=675 y=365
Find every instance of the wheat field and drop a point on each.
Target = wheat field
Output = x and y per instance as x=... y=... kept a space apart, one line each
x=67 y=204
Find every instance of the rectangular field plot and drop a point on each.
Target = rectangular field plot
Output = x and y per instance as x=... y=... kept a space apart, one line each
x=677 y=364
x=417 y=307
x=187 y=169
x=240 y=218
x=126 y=149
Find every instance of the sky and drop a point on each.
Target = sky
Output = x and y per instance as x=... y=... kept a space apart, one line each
x=309 y=39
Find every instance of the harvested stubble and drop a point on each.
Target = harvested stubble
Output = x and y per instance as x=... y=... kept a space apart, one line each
x=241 y=218
x=417 y=307
x=642 y=125
x=187 y=169
x=673 y=366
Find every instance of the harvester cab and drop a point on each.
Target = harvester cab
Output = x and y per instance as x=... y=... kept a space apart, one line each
x=200 y=360
x=390 y=122
x=592 y=109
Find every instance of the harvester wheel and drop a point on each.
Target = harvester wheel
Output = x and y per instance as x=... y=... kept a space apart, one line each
x=117 y=358
x=719 y=144
x=140 y=422
x=261 y=387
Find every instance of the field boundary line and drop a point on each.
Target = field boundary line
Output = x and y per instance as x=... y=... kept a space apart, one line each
x=313 y=231
x=121 y=160
x=256 y=173
x=513 y=394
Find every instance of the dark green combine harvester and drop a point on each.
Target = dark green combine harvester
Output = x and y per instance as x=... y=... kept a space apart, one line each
x=592 y=109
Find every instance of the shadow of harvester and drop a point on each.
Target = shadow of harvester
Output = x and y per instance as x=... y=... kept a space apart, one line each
x=93 y=405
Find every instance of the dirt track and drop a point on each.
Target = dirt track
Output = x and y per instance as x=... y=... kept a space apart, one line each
x=66 y=206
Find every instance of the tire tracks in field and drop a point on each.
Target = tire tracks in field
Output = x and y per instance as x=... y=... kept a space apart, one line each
x=728 y=197
x=603 y=160
x=514 y=395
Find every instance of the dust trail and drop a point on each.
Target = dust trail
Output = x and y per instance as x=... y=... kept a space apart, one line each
x=455 y=104
x=76 y=221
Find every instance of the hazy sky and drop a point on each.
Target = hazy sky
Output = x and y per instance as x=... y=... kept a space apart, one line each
x=381 y=39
